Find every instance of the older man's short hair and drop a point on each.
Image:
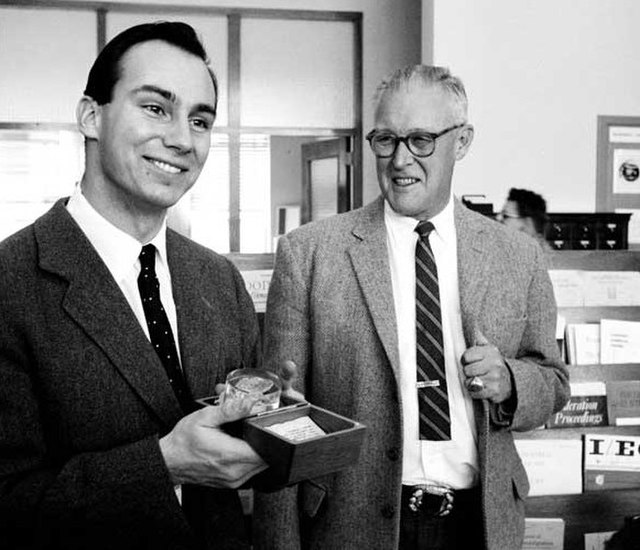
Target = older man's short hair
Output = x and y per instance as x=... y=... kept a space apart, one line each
x=427 y=76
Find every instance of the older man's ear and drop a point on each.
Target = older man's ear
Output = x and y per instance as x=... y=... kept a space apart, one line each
x=465 y=138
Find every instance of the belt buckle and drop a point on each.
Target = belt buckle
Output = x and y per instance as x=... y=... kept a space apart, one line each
x=447 y=494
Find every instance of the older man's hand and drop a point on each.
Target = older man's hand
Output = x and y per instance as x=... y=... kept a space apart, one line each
x=488 y=376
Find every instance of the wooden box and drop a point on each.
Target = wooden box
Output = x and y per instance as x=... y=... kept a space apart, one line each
x=292 y=460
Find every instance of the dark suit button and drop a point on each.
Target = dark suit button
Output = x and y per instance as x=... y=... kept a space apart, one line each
x=388 y=511
x=393 y=453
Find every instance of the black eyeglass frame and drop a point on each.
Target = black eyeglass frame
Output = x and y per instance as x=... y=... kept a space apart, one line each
x=405 y=139
x=504 y=216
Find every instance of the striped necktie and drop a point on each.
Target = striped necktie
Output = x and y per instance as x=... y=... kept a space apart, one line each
x=433 y=402
x=159 y=328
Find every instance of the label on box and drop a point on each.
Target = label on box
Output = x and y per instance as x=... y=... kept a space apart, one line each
x=543 y=534
x=552 y=465
x=586 y=407
x=257 y=282
x=297 y=429
x=611 y=462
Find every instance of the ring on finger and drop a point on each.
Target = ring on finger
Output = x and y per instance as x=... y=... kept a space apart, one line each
x=475 y=384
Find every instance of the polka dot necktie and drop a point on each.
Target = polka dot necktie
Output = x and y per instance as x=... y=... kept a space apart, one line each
x=433 y=402
x=159 y=328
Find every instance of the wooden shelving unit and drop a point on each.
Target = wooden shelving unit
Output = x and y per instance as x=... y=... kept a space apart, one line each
x=605 y=510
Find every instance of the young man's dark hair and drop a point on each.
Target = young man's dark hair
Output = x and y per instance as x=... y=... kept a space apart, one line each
x=105 y=71
x=530 y=205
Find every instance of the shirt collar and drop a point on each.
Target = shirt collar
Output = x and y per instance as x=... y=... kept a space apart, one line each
x=443 y=222
x=118 y=250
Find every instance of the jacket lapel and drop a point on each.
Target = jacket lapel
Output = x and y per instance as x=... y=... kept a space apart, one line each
x=473 y=268
x=194 y=312
x=473 y=275
x=97 y=305
x=370 y=262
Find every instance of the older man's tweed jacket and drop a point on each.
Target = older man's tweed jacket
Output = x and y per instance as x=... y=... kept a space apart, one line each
x=330 y=309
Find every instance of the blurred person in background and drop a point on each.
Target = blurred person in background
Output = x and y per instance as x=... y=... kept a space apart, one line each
x=525 y=211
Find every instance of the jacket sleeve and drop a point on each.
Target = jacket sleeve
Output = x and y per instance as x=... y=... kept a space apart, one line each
x=540 y=378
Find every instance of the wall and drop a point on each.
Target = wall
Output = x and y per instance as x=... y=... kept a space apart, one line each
x=286 y=173
x=391 y=38
x=537 y=72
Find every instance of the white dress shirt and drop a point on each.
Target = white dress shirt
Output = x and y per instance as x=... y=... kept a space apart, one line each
x=120 y=252
x=452 y=463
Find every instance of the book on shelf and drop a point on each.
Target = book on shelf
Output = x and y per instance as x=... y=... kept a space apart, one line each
x=567 y=287
x=611 y=462
x=609 y=342
x=597 y=541
x=561 y=329
x=583 y=343
x=619 y=341
x=586 y=407
x=553 y=466
x=611 y=288
x=582 y=288
x=623 y=402
x=543 y=534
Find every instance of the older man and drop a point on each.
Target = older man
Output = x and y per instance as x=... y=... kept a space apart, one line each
x=431 y=325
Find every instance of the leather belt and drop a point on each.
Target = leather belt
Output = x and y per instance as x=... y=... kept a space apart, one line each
x=437 y=500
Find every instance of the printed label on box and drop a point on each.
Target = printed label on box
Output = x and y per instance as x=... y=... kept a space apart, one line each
x=611 y=462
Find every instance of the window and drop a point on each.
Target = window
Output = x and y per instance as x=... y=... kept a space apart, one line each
x=36 y=168
x=285 y=77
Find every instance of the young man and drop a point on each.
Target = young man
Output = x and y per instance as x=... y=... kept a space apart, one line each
x=431 y=325
x=100 y=446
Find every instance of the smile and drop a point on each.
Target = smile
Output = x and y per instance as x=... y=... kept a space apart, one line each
x=404 y=182
x=166 y=167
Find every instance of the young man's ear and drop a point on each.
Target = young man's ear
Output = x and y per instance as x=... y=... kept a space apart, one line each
x=465 y=137
x=88 y=114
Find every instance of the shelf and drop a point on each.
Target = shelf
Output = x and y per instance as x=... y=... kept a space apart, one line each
x=577 y=433
x=596 y=260
x=591 y=373
x=593 y=314
x=598 y=373
x=593 y=511
x=590 y=512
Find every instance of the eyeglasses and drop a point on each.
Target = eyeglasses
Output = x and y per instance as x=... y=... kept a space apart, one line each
x=420 y=144
x=500 y=216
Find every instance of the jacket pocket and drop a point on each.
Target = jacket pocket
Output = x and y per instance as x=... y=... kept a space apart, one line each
x=312 y=495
